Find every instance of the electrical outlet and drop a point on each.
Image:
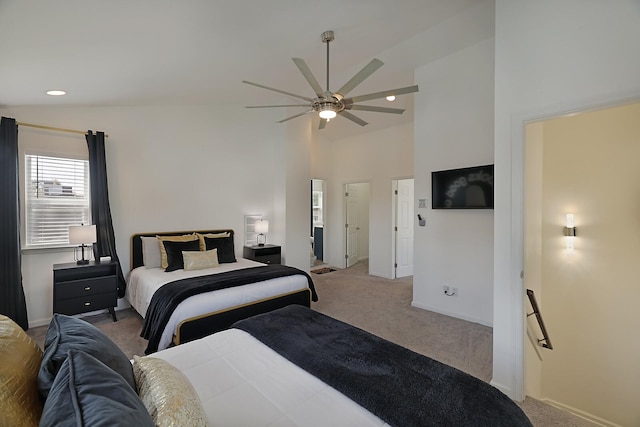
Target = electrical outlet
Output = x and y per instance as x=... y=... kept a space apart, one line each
x=450 y=291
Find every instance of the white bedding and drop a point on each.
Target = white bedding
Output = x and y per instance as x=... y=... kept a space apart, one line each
x=242 y=382
x=143 y=282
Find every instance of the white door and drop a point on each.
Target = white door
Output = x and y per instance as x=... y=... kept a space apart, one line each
x=404 y=228
x=351 y=224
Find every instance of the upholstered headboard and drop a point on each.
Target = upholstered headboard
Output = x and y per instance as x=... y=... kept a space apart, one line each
x=136 y=242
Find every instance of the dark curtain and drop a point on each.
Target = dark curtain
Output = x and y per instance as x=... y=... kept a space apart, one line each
x=12 y=301
x=100 y=210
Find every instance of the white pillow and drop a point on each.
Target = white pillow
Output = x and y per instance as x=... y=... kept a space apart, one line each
x=151 y=252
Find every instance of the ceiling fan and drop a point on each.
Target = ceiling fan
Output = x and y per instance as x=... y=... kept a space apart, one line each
x=330 y=104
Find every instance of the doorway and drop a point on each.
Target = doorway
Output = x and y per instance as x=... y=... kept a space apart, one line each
x=356 y=202
x=586 y=291
x=317 y=222
x=403 y=227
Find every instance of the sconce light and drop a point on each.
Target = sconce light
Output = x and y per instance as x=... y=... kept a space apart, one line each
x=570 y=232
x=262 y=228
x=82 y=235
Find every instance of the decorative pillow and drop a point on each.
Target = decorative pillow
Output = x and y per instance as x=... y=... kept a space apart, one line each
x=163 y=253
x=174 y=253
x=151 y=257
x=203 y=246
x=68 y=333
x=87 y=393
x=167 y=394
x=20 y=359
x=224 y=245
x=198 y=260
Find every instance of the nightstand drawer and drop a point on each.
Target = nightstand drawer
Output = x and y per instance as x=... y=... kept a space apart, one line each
x=268 y=259
x=268 y=254
x=83 y=287
x=84 y=304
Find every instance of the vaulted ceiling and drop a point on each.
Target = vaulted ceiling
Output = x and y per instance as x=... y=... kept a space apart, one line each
x=165 y=52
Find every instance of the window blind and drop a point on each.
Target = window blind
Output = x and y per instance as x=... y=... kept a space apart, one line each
x=56 y=196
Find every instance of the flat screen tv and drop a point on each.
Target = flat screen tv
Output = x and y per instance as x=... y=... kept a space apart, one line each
x=466 y=188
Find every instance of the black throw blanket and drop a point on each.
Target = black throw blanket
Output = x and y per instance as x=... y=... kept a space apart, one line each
x=398 y=385
x=166 y=299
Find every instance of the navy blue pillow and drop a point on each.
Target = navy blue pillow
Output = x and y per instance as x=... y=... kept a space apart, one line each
x=224 y=245
x=175 y=261
x=68 y=333
x=86 y=392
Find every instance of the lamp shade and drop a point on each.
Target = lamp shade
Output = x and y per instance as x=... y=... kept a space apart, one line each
x=262 y=227
x=82 y=234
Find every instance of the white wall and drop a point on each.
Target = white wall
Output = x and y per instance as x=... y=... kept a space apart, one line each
x=551 y=57
x=453 y=129
x=181 y=168
x=373 y=157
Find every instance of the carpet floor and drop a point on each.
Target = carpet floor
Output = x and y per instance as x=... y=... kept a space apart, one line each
x=382 y=307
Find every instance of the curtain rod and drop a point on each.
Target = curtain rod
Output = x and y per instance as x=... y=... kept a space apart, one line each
x=31 y=125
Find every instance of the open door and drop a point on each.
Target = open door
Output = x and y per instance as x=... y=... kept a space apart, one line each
x=351 y=196
x=403 y=200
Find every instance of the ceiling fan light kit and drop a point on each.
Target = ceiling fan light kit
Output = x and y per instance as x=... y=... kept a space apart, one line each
x=329 y=104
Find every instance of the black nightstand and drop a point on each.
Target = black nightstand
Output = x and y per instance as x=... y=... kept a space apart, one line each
x=268 y=254
x=81 y=288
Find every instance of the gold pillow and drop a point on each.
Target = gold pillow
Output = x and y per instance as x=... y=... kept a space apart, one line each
x=20 y=359
x=167 y=394
x=163 y=252
x=197 y=260
x=203 y=245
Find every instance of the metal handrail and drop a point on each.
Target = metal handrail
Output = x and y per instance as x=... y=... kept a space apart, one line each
x=536 y=311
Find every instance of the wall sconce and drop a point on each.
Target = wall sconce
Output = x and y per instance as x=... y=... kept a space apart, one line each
x=262 y=228
x=82 y=235
x=570 y=232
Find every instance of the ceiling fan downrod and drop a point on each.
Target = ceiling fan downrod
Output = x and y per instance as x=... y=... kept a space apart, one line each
x=327 y=37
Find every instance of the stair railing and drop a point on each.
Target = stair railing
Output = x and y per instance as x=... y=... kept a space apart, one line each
x=536 y=311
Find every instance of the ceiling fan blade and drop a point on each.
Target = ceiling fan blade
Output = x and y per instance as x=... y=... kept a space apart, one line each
x=353 y=118
x=293 y=117
x=278 y=90
x=377 y=95
x=306 y=72
x=360 y=76
x=272 y=106
x=323 y=123
x=376 y=109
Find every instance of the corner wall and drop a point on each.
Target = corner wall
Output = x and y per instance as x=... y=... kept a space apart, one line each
x=373 y=157
x=454 y=129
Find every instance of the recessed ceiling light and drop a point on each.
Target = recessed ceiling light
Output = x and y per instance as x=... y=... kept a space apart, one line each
x=56 y=92
x=391 y=98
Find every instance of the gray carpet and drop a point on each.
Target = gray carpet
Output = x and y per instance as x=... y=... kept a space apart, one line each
x=382 y=307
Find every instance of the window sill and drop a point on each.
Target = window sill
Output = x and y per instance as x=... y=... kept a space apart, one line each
x=47 y=249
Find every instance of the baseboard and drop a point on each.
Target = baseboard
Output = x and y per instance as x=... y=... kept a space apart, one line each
x=456 y=315
x=122 y=305
x=581 y=414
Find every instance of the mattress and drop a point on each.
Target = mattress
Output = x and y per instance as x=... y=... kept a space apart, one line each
x=143 y=282
x=242 y=382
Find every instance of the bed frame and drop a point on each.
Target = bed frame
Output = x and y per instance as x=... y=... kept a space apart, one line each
x=207 y=324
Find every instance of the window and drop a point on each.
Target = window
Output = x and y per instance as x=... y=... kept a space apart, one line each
x=57 y=196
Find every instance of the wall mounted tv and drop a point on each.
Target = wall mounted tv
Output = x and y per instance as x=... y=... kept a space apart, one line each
x=466 y=188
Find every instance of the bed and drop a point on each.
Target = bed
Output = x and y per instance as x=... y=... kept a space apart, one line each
x=257 y=373
x=249 y=288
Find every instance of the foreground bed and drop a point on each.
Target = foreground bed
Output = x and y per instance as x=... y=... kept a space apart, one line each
x=323 y=372
x=249 y=288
